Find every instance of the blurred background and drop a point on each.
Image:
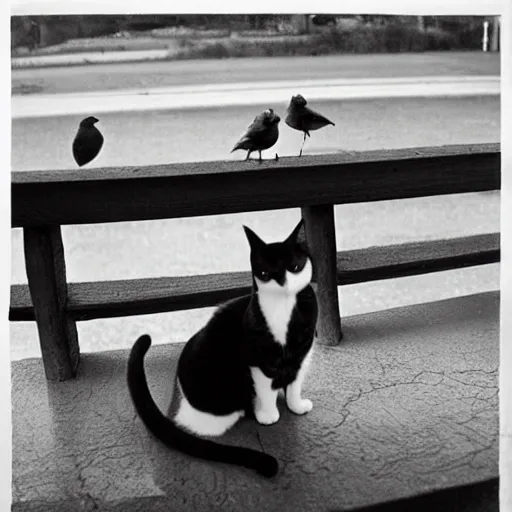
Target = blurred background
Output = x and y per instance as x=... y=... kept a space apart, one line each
x=217 y=36
x=170 y=89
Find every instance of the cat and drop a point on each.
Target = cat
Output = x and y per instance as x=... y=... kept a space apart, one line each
x=235 y=365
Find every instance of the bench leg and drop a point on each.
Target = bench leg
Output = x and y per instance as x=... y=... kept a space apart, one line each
x=321 y=238
x=46 y=272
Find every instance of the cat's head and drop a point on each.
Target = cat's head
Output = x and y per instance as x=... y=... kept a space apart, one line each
x=282 y=267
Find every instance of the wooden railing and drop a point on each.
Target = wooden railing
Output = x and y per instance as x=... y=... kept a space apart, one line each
x=43 y=201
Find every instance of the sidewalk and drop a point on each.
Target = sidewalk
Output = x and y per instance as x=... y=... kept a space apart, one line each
x=255 y=93
x=78 y=59
x=406 y=404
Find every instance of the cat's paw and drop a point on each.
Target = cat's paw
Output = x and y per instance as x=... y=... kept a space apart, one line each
x=300 y=406
x=267 y=417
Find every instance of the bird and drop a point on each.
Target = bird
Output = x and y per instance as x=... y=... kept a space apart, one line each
x=88 y=141
x=261 y=134
x=302 y=118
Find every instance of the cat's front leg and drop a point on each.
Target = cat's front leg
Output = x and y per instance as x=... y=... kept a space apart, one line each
x=265 y=402
x=294 y=400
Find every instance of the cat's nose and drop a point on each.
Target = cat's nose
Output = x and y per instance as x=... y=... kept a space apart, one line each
x=281 y=280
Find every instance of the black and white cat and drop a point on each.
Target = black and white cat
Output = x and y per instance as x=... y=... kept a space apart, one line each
x=234 y=366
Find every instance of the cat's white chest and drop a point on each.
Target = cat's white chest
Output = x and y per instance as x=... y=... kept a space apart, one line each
x=277 y=309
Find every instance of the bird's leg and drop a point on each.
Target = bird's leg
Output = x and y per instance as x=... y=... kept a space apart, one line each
x=303 y=142
x=260 y=156
x=248 y=155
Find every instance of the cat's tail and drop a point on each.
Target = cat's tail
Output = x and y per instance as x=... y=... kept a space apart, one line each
x=173 y=436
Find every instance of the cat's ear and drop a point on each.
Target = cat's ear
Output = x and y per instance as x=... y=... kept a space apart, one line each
x=254 y=240
x=298 y=234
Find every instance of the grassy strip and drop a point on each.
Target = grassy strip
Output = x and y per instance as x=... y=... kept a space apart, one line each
x=363 y=39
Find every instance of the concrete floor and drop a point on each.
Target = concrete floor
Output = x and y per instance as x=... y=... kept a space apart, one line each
x=406 y=404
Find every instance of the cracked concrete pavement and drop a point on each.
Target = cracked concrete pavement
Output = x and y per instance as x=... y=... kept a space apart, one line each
x=406 y=404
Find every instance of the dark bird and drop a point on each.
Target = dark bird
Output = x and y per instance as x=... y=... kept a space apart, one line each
x=261 y=134
x=88 y=141
x=304 y=119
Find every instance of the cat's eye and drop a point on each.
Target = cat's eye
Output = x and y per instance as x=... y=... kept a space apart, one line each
x=264 y=276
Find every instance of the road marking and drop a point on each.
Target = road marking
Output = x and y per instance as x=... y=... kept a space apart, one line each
x=238 y=94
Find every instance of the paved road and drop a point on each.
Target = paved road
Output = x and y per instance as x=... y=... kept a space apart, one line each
x=207 y=244
x=139 y=138
x=172 y=73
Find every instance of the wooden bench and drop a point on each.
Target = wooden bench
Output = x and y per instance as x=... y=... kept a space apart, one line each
x=43 y=201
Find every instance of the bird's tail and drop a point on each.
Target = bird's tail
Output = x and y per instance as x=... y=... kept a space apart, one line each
x=173 y=436
x=243 y=143
x=240 y=145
